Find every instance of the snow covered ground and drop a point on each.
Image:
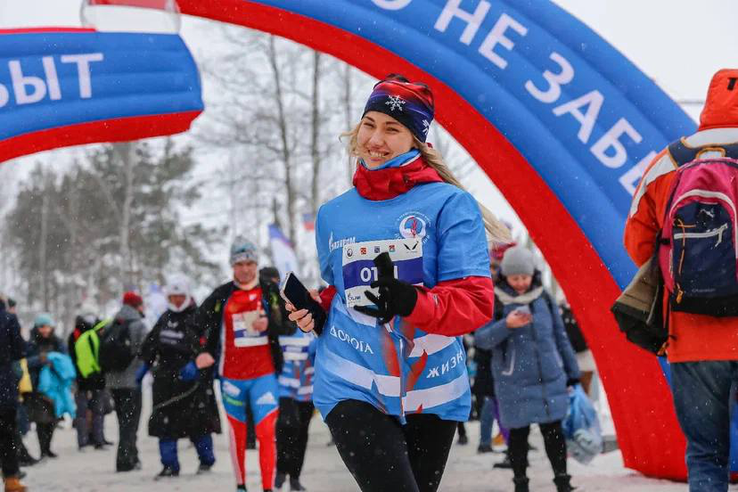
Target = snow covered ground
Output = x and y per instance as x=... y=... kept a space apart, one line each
x=92 y=471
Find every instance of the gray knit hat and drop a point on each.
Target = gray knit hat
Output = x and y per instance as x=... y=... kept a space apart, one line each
x=243 y=250
x=518 y=261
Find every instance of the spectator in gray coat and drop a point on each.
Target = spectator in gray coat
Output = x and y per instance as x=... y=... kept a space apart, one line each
x=125 y=389
x=532 y=364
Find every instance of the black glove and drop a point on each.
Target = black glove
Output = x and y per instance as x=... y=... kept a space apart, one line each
x=572 y=382
x=396 y=298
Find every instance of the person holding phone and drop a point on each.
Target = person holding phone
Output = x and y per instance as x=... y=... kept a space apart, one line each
x=240 y=332
x=405 y=256
x=533 y=364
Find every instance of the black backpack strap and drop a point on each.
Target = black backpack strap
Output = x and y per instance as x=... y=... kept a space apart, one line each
x=681 y=153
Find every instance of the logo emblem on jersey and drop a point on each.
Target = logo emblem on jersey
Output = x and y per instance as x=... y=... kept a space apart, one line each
x=266 y=399
x=350 y=252
x=339 y=243
x=414 y=247
x=363 y=251
x=231 y=389
x=391 y=248
x=414 y=225
x=377 y=249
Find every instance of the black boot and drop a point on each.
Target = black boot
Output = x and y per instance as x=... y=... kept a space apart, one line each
x=521 y=484
x=505 y=463
x=167 y=472
x=295 y=485
x=45 y=432
x=279 y=480
x=563 y=484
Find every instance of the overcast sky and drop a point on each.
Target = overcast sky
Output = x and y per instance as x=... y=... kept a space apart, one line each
x=677 y=43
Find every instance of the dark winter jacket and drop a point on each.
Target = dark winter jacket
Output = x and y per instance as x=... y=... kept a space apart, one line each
x=180 y=408
x=530 y=364
x=578 y=343
x=38 y=348
x=12 y=349
x=210 y=319
x=137 y=329
x=484 y=384
x=96 y=380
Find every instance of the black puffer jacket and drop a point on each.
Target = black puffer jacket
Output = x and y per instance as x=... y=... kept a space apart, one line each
x=12 y=349
x=181 y=408
x=210 y=319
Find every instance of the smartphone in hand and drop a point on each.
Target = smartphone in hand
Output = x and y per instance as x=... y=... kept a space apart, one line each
x=295 y=292
x=524 y=310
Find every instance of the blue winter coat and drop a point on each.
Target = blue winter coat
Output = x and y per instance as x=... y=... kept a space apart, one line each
x=55 y=381
x=530 y=364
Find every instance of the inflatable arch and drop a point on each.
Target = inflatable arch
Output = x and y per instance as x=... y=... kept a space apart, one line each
x=561 y=122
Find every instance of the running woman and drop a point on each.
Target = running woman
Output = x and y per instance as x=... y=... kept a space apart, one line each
x=390 y=372
x=295 y=405
x=240 y=334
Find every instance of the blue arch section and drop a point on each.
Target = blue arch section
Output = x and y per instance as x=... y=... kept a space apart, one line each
x=62 y=87
x=521 y=37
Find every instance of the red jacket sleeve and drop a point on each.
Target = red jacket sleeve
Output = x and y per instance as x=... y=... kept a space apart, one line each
x=326 y=297
x=454 y=307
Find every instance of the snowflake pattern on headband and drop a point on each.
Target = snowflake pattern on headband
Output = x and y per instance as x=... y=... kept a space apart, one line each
x=395 y=102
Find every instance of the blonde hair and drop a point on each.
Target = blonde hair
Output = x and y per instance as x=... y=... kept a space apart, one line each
x=497 y=232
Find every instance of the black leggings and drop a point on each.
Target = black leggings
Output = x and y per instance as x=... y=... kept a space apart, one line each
x=553 y=439
x=292 y=435
x=8 y=452
x=384 y=455
x=45 y=432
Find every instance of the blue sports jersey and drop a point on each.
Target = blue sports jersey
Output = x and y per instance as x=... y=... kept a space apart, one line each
x=296 y=378
x=398 y=369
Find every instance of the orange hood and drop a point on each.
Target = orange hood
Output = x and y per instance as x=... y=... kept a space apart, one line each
x=721 y=106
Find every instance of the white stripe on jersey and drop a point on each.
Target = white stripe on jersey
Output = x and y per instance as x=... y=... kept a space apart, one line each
x=298 y=341
x=289 y=382
x=250 y=341
x=295 y=356
x=438 y=395
x=431 y=343
x=305 y=390
x=361 y=376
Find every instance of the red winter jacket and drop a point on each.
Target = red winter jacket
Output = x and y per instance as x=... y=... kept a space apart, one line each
x=694 y=337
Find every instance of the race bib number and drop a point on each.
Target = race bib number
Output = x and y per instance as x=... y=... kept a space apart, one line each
x=243 y=327
x=359 y=270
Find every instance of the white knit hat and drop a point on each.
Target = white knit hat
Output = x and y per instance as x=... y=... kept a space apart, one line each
x=518 y=261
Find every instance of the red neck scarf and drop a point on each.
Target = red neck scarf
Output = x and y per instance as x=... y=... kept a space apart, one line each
x=383 y=184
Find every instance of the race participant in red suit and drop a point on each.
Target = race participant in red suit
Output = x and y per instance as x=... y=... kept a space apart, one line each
x=390 y=371
x=241 y=338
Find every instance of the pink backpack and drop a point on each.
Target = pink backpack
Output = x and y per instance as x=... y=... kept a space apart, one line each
x=698 y=247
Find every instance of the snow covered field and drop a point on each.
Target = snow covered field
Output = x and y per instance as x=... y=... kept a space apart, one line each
x=92 y=471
